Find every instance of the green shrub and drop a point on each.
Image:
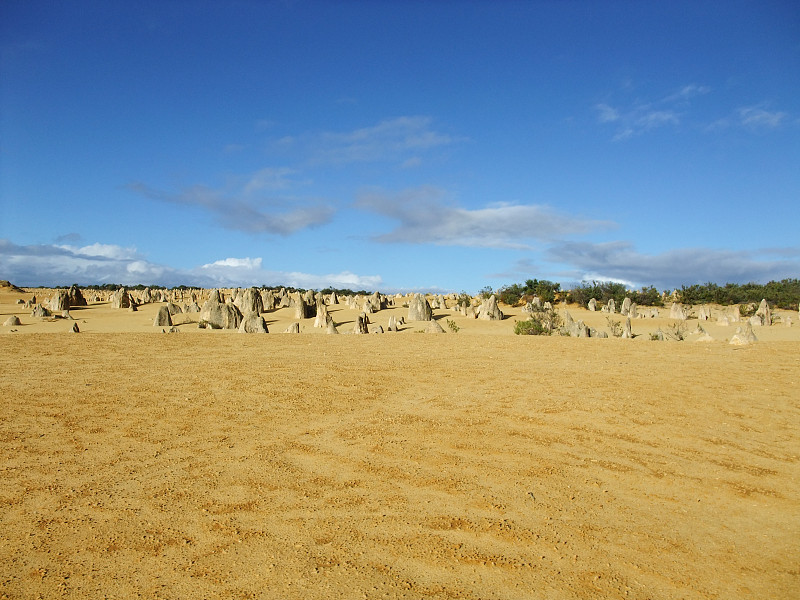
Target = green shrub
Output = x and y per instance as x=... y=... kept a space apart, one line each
x=677 y=332
x=530 y=327
x=464 y=299
x=546 y=290
x=748 y=310
x=783 y=294
x=615 y=327
x=510 y=294
x=516 y=293
x=542 y=322
x=647 y=296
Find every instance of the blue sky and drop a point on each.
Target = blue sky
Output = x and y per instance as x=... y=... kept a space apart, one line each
x=399 y=145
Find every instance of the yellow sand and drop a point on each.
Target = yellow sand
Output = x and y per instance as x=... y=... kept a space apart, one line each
x=472 y=465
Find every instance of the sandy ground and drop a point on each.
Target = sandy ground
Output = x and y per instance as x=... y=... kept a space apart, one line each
x=99 y=317
x=471 y=465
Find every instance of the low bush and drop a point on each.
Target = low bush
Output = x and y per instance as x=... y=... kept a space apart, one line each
x=783 y=294
x=614 y=327
x=541 y=322
x=530 y=327
x=464 y=299
x=677 y=332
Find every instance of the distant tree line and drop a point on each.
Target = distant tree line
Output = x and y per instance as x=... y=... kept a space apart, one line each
x=344 y=292
x=603 y=291
x=113 y=287
x=783 y=294
x=513 y=294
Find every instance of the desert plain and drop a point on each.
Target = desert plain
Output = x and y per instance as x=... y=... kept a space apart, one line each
x=477 y=464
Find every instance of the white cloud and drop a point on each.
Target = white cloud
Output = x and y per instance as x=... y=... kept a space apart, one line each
x=270 y=179
x=233 y=148
x=752 y=118
x=642 y=120
x=657 y=118
x=102 y=250
x=397 y=139
x=343 y=279
x=236 y=263
x=524 y=268
x=401 y=132
x=755 y=117
x=242 y=207
x=642 y=117
x=242 y=272
x=624 y=134
x=620 y=261
x=687 y=92
x=606 y=113
x=424 y=218
x=718 y=125
x=69 y=237
x=142 y=268
x=50 y=265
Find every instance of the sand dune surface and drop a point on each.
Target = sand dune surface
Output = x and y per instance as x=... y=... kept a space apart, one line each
x=476 y=464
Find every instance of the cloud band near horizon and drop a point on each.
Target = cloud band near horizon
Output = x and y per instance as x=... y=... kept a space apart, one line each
x=567 y=262
x=47 y=265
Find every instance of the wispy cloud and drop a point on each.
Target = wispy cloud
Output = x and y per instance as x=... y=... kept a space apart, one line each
x=69 y=237
x=270 y=179
x=251 y=205
x=522 y=269
x=755 y=117
x=397 y=139
x=686 y=93
x=233 y=148
x=641 y=117
x=102 y=251
x=424 y=217
x=607 y=114
x=51 y=265
x=657 y=118
x=642 y=120
x=620 y=261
